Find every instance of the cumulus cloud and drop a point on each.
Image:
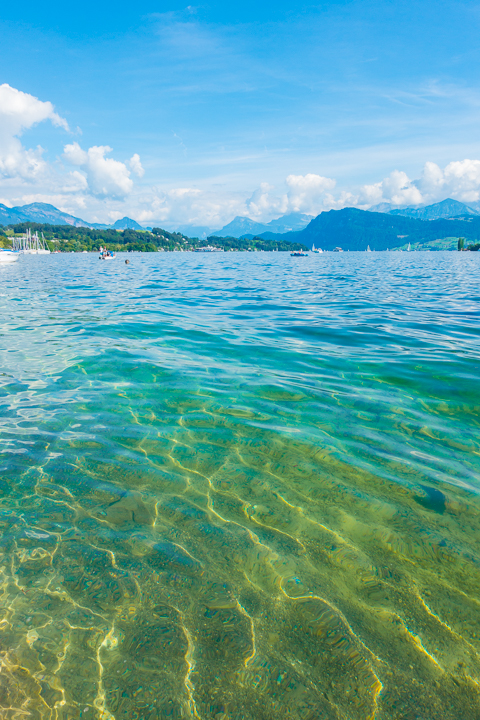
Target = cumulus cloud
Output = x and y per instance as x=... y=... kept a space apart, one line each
x=20 y=111
x=459 y=179
x=136 y=165
x=190 y=206
x=312 y=194
x=103 y=188
x=105 y=176
x=74 y=154
x=74 y=182
x=306 y=193
x=396 y=189
x=264 y=203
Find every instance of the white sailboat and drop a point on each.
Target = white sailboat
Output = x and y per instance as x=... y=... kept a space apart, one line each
x=316 y=250
x=409 y=247
x=368 y=249
x=42 y=248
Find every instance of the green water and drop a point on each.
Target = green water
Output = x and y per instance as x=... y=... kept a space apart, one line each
x=240 y=487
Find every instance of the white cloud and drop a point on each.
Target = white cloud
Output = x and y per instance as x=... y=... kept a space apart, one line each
x=263 y=203
x=74 y=154
x=136 y=165
x=312 y=194
x=306 y=193
x=100 y=188
x=432 y=181
x=396 y=189
x=106 y=177
x=74 y=182
x=20 y=111
x=459 y=179
x=190 y=206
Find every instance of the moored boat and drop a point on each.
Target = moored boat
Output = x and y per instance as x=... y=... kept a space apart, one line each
x=208 y=248
x=8 y=256
x=29 y=244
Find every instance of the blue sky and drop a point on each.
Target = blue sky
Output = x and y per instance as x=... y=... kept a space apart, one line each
x=239 y=108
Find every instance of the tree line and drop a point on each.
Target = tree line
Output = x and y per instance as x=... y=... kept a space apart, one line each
x=67 y=238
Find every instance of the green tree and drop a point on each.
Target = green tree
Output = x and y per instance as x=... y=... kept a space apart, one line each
x=461 y=243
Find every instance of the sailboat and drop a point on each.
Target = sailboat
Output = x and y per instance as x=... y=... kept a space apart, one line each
x=42 y=248
x=316 y=250
x=409 y=247
x=368 y=249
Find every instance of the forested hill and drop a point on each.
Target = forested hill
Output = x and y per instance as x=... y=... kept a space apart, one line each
x=353 y=229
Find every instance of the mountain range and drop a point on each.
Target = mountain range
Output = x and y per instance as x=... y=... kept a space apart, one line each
x=353 y=229
x=40 y=213
x=244 y=226
x=48 y=214
x=350 y=228
x=445 y=209
x=44 y=213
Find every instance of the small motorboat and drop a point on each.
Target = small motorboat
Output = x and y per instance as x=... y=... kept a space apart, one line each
x=8 y=256
x=106 y=255
x=299 y=253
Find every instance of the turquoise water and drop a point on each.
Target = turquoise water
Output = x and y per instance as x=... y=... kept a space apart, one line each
x=240 y=486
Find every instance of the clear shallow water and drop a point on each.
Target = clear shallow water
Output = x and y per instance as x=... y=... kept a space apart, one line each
x=240 y=486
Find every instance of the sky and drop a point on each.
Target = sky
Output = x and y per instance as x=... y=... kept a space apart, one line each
x=180 y=115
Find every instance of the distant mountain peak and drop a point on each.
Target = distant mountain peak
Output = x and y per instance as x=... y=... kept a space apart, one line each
x=240 y=225
x=447 y=208
x=383 y=207
x=48 y=214
x=126 y=223
x=38 y=212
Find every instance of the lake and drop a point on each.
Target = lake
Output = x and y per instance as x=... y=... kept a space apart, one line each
x=240 y=486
